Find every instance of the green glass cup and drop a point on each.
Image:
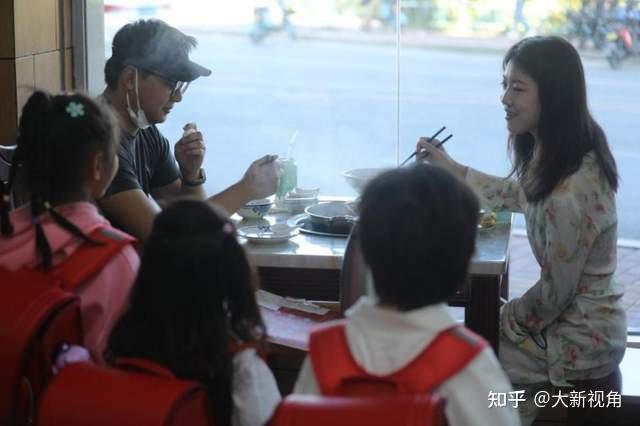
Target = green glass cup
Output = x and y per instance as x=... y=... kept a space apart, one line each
x=287 y=176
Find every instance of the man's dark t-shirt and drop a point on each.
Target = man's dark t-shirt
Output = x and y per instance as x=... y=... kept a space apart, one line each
x=146 y=162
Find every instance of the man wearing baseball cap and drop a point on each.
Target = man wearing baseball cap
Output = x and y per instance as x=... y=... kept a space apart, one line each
x=149 y=72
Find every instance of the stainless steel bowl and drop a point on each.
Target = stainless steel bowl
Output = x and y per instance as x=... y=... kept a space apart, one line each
x=336 y=217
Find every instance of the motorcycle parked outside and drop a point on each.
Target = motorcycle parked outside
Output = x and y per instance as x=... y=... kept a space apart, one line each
x=625 y=39
x=589 y=23
x=265 y=22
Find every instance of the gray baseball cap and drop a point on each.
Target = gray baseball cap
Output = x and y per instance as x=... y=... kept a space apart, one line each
x=155 y=46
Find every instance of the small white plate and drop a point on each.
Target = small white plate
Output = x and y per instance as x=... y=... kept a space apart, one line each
x=268 y=234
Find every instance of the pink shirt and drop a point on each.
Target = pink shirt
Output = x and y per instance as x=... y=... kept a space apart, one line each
x=104 y=296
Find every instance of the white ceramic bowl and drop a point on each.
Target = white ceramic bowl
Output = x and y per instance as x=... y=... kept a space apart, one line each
x=299 y=199
x=303 y=193
x=358 y=178
x=255 y=209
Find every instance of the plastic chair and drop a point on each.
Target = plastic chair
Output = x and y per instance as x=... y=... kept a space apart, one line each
x=87 y=394
x=308 y=410
x=6 y=157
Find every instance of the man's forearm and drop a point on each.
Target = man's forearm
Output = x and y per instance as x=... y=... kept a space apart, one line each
x=192 y=192
x=176 y=191
x=232 y=198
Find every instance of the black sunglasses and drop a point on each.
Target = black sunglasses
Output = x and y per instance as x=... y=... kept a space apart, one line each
x=175 y=86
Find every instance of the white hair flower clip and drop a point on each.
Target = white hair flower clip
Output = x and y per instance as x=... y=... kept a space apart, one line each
x=75 y=109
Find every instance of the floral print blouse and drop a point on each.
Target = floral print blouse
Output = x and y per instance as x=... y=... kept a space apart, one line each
x=572 y=315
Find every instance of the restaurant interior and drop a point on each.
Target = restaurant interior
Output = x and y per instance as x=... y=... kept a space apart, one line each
x=300 y=241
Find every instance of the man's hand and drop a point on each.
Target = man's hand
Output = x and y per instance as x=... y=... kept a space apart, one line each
x=189 y=152
x=259 y=181
x=261 y=178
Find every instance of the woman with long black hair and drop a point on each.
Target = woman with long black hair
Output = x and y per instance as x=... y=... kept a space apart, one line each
x=570 y=324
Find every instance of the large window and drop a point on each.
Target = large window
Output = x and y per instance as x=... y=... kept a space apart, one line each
x=343 y=84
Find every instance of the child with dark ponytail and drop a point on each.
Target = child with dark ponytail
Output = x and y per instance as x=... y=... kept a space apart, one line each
x=65 y=159
x=193 y=310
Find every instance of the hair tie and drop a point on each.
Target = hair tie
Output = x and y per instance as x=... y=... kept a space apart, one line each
x=227 y=228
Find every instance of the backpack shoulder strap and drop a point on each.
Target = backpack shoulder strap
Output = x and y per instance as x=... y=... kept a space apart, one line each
x=448 y=354
x=331 y=357
x=89 y=259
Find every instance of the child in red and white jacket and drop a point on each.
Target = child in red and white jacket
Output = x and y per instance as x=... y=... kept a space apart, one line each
x=417 y=230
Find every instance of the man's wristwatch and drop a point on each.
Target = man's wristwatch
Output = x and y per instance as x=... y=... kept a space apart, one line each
x=202 y=177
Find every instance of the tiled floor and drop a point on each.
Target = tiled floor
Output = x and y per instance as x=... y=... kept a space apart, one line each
x=524 y=272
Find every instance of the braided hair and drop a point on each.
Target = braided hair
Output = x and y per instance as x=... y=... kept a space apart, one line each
x=57 y=137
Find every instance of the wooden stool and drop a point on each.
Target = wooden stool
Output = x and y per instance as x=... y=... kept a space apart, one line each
x=591 y=415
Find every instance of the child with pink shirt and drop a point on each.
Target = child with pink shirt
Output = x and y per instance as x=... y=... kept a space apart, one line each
x=65 y=159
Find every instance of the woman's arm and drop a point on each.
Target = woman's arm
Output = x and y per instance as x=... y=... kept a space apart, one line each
x=497 y=193
x=494 y=192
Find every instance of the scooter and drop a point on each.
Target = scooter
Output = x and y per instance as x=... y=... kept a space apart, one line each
x=263 y=24
x=625 y=39
x=624 y=45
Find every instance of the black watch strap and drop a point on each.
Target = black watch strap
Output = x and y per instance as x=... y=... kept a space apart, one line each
x=202 y=177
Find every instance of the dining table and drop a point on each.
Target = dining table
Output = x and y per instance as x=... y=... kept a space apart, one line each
x=308 y=266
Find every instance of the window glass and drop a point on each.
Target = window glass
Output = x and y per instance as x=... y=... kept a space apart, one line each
x=344 y=84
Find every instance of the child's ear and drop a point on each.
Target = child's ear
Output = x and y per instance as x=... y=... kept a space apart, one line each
x=97 y=167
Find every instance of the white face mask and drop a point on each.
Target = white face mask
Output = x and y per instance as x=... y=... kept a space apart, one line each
x=140 y=118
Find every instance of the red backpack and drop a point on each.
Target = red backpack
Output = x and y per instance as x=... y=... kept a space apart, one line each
x=338 y=374
x=312 y=410
x=137 y=393
x=38 y=312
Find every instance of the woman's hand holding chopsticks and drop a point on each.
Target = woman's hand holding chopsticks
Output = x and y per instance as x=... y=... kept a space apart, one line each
x=432 y=150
